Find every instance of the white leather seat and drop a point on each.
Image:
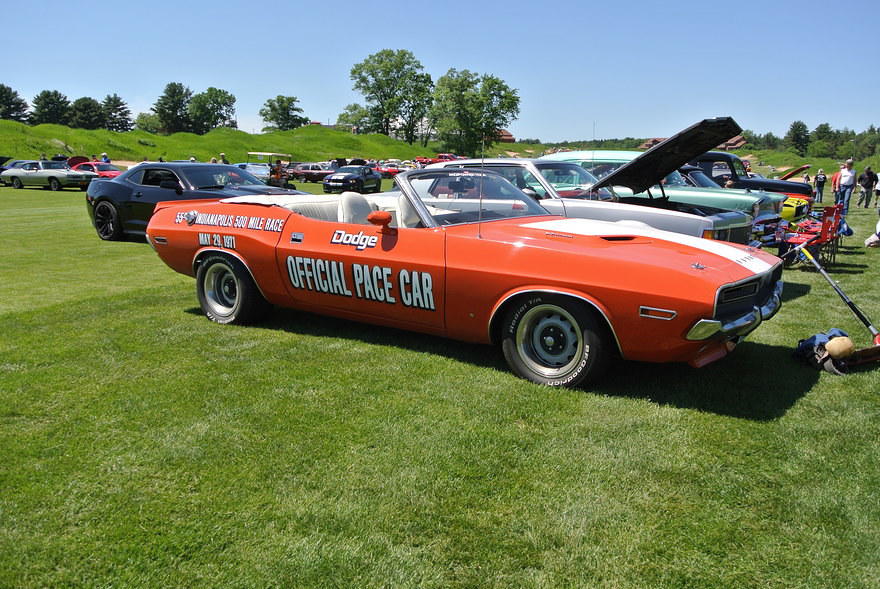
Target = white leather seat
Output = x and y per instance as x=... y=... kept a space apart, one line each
x=353 y=208
x=407 y=215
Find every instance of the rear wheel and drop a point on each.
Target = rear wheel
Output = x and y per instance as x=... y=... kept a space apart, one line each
x=54 y=184
x=227 y=293
x=16 y=183
x=107 y=221
x=554 y=341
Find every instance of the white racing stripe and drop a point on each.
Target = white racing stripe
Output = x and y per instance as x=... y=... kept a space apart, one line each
x=600 y=228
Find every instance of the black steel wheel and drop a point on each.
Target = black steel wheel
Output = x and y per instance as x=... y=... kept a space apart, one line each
x=553 y=340
x=227 y=293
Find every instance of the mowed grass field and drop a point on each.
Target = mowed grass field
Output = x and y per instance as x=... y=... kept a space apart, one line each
x=142 y=445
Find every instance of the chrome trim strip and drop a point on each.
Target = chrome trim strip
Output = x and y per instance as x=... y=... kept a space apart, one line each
x=643 y=312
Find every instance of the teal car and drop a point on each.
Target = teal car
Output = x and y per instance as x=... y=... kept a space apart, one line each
x=765 y=207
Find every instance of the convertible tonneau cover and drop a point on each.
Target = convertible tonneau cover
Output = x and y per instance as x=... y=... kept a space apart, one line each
x=667 y=156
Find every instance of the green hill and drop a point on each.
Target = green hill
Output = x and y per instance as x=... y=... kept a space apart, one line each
x=310 y=143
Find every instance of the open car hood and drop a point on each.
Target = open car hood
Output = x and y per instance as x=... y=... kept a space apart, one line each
x=653 y=165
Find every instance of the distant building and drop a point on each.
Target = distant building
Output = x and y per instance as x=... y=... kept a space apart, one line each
x=649 y=143
x=732 y=143
x=505 y=136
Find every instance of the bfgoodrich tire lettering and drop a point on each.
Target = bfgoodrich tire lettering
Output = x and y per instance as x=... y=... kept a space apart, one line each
x=554 y=340
x=227 y=293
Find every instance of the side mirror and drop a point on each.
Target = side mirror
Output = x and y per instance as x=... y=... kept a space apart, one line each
x=171 y=185
x=381 y=219
x=531 y=192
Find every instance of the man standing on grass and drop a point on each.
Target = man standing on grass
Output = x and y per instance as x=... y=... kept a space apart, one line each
x=867 y=180
x=847 y=184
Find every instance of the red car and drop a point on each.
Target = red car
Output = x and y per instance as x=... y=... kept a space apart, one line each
x=388 y=170
x=100 y=168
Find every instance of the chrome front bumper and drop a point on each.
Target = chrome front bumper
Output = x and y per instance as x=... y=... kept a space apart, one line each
x=741 y=326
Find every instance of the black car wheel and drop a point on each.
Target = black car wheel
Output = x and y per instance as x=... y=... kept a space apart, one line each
x=227 y=293
x=554 y=341
x=358 y=186
x=107 y=221
x=16 y=183
x=54 y=184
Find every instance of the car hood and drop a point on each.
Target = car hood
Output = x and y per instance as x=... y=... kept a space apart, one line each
x=637 y=242
x=653 y=165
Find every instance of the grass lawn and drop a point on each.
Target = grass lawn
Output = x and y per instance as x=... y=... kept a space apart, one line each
x=143 y=445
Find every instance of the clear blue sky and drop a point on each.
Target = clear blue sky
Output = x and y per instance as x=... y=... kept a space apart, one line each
x=582 y=69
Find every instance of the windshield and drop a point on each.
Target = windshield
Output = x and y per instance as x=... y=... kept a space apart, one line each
x=349 y=170
x=454 y=198
x=106 y=168
x=208 y=176
x=570 y=180
x=699 y=178
x=602 y=169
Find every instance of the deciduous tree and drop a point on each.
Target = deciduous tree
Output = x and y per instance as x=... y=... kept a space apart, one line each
x=388 y=79
x=469 y=111
x=211 y=109
x=282 y=113
x=354 y=115
x=148 y=121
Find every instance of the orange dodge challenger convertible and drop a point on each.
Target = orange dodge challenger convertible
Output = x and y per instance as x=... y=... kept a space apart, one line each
x=464 y=254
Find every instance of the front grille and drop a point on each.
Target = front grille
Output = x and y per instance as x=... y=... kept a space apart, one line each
x=734 y=300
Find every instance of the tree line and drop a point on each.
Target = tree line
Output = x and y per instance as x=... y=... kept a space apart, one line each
x=823 y=141
x=464 y=110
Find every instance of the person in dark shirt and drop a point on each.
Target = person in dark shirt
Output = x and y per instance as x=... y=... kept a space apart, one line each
x=820 y=184
x=867 y=180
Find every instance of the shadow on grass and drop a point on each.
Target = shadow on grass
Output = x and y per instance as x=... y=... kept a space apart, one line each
x=757 y=381
x=794 y=290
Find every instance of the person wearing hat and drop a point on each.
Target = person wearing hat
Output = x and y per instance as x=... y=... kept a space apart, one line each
x=105 y=158
x=867 y=180
x=847 y=184
x=820 y=184
x=223 y=159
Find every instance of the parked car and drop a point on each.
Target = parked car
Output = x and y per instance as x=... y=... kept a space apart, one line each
x=388 y=170
x=440 y=157
x=258 y=171
x=120 y=208
x=353 y=178
x=310 y=171
x=626 y=170
x=7 y=163
x=565 y=188
x=464 y=254
x=100 y=168
x=791 y=209
x=53 y=175
x=722 y=166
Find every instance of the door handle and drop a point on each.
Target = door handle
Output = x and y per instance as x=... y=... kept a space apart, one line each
x=138 y=194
